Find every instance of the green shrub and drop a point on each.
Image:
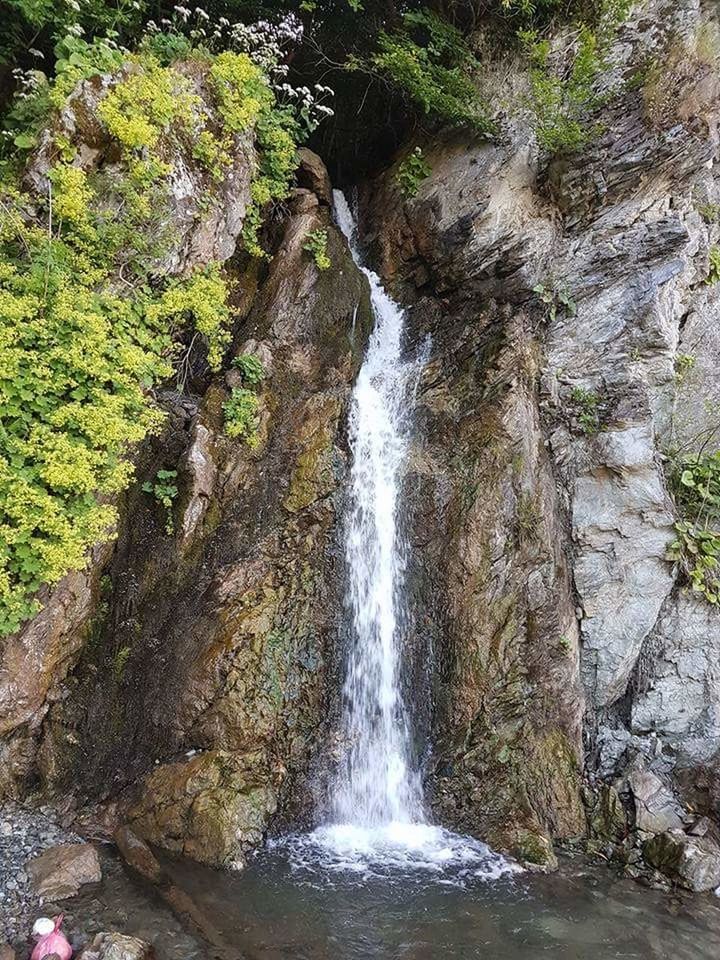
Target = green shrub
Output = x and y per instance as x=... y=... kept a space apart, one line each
x=557 y=299
x=316 y=245
x=695 y=479
x=429 y=61
x=411 y=172
x=586 y=406
x=563 y=99
x=710 y=212
x=684 y=362
x=241 y=415
x=277 y=136
x=164 y=489
x=166 y=47
x=77 y=59
x=251 y=368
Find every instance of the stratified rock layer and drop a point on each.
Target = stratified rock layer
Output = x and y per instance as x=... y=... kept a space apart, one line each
x=558 y=300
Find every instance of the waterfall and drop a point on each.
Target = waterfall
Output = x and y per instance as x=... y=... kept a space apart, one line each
x=378 y=825
x=377 y=785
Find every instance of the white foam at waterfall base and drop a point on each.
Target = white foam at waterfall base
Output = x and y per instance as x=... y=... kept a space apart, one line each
x=397 y=851
x=378 y=825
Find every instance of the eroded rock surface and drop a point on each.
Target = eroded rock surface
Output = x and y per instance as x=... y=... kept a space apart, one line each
x=197 y=736
x=693 y=861
x=197 y=223
x=544 y=508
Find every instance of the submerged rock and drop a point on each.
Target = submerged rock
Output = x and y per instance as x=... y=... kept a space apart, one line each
x=115 y=946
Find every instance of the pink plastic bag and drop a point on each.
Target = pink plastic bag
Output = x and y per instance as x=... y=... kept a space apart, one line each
x=53 y=942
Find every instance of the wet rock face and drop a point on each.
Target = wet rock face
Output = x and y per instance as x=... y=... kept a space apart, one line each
x=543 y=515
x=487 y=525
x=198 y=708
x=179 y=683
x=37 y=659
x=694 y=862
x=204 y=225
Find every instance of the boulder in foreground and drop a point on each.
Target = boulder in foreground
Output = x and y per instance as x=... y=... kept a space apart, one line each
x=60 y=871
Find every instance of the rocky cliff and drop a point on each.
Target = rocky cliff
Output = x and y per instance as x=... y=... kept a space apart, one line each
x=183 y=682
x=573 y=355
x=178 y=682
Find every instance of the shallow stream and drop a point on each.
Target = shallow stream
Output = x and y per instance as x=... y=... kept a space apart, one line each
x=277 y=909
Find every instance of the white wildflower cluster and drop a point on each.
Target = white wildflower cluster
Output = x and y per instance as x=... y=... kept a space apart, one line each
x=27 y=82
x=265 y=42
x=309 y=105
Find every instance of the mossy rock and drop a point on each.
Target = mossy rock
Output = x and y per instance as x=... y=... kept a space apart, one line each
x=535 y=849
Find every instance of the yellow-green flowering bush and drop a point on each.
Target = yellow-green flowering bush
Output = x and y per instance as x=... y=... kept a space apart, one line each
x=241 y=89
x=81 y=348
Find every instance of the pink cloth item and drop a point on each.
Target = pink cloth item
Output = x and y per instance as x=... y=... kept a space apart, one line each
x=53 y=942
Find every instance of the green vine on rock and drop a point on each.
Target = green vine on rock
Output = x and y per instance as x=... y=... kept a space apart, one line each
x=695 y=479
x=557 y=299
x=586 y=410
x=250 y=367
x=241 y=409
x=411 y=172
x=241 y=415
x=316 y=245
x=164 y=490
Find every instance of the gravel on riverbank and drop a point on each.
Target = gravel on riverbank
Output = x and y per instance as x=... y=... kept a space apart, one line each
x=24 y=833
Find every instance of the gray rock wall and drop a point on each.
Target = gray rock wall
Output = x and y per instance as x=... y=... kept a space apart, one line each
x=618 y=228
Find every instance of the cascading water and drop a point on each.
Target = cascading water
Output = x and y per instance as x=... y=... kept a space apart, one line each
x=377 y=785
x=378 y=823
